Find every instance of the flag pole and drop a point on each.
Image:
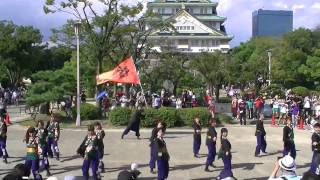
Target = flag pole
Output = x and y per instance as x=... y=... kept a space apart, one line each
x=142 y=91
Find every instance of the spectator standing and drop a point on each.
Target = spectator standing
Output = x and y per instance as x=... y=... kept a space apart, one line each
x=250 y=108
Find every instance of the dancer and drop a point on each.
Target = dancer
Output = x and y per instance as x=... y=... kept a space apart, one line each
x=196 y=137
x=100 y=135
x=89 y=151
x=32 y=157
x=152 y=162
x=261 y=135
x=3 y=140
x=211 y=144
x=288 y=140
x=225 y=153
x=42 y=135
x=315 y=164
x=53 y=137
x=134 y=123
x=162 y=156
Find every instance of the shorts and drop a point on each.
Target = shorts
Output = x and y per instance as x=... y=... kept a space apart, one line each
x=275 y=110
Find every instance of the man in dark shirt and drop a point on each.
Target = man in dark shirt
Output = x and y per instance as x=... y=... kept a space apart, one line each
x=211 y=144
x=288 y=140
x=134 y=124
x=315 y=164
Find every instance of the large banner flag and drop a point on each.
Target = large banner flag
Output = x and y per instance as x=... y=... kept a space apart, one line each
x=125 y=72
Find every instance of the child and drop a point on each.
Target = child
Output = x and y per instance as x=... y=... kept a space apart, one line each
x=3 y=139
x=196 y=136
x=42 y=135
x=211 y=144
x=225 y=153
x=53 y=129
x=152 y=162
x=162 y=156
x=32 y=157
x=89 y=150
x=100 y=135
x=288 y=140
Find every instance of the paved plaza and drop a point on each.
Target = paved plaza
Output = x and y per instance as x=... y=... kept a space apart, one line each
x=183 y=166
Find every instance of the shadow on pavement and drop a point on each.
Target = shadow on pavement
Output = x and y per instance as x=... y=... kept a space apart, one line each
x=246 y=166
x=303 y=166
x=55 y=171
x=178 y=132
x=69 y=158
x=259 y=178
x=185 y=166
x=272 y=153
x=17 y=159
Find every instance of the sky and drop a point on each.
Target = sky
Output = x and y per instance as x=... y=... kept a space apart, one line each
x=306 y=14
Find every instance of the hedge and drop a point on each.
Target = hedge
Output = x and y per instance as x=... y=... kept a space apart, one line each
x=120 y=116
x=171 y=116
x=87 y=112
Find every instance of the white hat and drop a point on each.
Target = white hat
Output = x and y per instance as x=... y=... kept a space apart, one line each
x=287 y=163
x=134 y=166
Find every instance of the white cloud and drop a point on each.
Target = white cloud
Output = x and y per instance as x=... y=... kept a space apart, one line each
x=280 y=5
x=224 y=5
x=297 y=6
x=316 y=5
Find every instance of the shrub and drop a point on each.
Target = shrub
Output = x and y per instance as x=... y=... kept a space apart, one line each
x=301 y=91
x=223 y=119
x=120 y=116
x=167 y=115
x=87 y=112
x=171 y=116
x=187 y=115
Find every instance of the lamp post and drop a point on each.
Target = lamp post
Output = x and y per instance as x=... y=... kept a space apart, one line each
x=76 y=31
x=269 y=56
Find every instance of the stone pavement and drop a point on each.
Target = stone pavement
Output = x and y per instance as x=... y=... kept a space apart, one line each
x=183 y=166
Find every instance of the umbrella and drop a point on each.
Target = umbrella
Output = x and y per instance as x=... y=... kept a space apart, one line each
x=101 y=95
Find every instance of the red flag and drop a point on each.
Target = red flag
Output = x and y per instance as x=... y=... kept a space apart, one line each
x=125 y=72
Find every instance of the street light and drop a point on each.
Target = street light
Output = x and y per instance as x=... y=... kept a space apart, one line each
x=76 y=31
x=269 y=55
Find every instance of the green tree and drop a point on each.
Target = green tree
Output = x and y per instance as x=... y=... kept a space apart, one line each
x=312 y=67
x=19 y=50
x=212 y=67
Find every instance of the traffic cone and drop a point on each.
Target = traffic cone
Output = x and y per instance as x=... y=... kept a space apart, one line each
x=7 y=120
x=301 y=124
x=273 y=120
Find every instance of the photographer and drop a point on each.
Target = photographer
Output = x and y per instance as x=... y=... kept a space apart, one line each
x=287 y=167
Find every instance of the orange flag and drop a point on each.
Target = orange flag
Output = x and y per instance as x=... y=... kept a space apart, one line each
x=125 y=72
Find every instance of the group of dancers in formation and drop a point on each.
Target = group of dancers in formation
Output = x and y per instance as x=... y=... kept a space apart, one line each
x=42 y=142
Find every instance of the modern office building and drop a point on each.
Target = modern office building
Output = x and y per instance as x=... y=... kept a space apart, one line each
x=271 y=22
x=198 y=27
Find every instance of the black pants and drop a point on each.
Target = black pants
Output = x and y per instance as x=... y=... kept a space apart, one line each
x=126 y=131
x=243 y=117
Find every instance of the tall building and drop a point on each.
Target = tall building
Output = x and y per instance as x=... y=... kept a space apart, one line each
x=271 y=23
x=198 y=27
